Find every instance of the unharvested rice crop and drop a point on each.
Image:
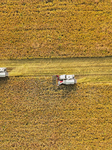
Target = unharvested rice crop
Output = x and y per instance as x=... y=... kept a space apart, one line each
x=33 y=29
x=37 y=115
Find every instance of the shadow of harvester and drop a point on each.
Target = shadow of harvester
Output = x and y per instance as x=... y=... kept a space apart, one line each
x=67 y=89
x=3 y=80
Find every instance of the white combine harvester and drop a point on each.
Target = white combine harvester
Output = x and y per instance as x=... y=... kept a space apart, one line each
x=66 y=79
x=3 y=72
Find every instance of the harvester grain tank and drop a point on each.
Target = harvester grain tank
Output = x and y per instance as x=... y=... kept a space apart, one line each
x=3 y=72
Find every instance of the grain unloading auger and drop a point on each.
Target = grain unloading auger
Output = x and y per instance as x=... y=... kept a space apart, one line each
x=64 y=79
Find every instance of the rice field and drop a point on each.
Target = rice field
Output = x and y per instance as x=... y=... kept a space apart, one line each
x=42 y=38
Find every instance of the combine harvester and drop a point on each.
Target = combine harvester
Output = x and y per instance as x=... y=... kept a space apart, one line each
x=64 y=79
x=3 y=73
